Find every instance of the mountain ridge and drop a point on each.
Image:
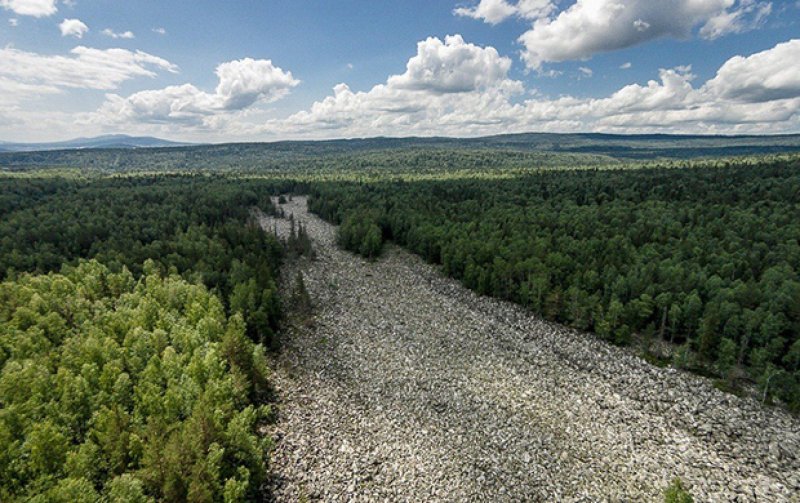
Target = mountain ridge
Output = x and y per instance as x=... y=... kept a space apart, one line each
x=102 y=141
x=620 y=146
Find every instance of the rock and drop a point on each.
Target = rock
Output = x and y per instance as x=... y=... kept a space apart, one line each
x=425 y=391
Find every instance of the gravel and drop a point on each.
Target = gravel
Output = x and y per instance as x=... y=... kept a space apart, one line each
x=406 y=386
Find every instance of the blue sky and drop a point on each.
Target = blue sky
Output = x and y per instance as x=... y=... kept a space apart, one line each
x=267 y=70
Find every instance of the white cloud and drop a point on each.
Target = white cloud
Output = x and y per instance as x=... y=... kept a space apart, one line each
x=160 y=31
x=674 y=90
x=242 y=83
x=587 y=72
x=108 y=32
x=35 y=8
x=588 y=27
x=490 y=11
x=85 y=68
x=446 y=84
x=749 y=15
x=625 y=66
x=245 y=81
x=451 y=67
x=14 y=91
x=769 y=75
x=534 y=9
x=13 y=22
x=591 y=26
x=496 y=11
x=73 y=28
x=758 y=93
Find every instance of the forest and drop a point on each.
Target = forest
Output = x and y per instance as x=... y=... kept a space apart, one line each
x=139 y=300
x=705 y=259
x=140 y=374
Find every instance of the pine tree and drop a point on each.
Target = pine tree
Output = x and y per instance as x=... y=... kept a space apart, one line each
x=301 y=300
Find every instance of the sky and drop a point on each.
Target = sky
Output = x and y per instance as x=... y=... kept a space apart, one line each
x=265 y=70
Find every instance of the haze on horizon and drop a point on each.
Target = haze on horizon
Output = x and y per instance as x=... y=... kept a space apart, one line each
x=262 y=71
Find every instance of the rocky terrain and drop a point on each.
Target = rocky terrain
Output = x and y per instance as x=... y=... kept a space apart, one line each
x=405 y=386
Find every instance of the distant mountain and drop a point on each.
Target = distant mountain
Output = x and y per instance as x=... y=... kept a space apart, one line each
x=105 y=141
x=121 y=151
x=620 y=146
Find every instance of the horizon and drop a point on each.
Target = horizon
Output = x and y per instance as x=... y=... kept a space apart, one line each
x=181 y=144
x=275 y=71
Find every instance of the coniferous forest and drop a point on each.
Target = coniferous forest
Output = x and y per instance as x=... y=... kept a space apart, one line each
x=705 y=258
x=138 y=309
x=140 y=374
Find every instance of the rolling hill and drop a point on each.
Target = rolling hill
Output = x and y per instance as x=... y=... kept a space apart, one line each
x=105 y=141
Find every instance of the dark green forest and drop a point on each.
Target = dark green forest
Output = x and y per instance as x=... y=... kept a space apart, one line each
x=704 y=258
x=196 y=226
x=141 y=374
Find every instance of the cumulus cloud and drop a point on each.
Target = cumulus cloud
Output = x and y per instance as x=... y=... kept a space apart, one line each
x=73 y=28
x=496 y=11
x=451 y=67
x=35 y=8
x=673 y=90
x=160 y=31
x=245 y=81
x=242 y=83
x=85 y=67
x=490 y=11
x=756 y=93
x=769 y=75
x=588 y=27
x=446 y=83
x=534 y=9
x=591 y=26
x=760 y=92
x=108 y=32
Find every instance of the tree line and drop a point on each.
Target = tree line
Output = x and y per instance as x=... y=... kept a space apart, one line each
x=197 y=226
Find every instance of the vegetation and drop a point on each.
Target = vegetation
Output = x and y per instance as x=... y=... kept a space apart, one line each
x=298 y=243
x=676 y=493
x=142 y=378
x=197 y=226
x=359 y=233
x=136 y=305
x=126 y=389
x=706 y=257
x=301 y=299
x=393 y=155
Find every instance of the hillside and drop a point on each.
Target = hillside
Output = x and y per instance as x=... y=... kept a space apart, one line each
x=530 y=149
x=106 y=141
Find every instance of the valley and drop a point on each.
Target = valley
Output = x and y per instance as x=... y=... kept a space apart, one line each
x=405 y=386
